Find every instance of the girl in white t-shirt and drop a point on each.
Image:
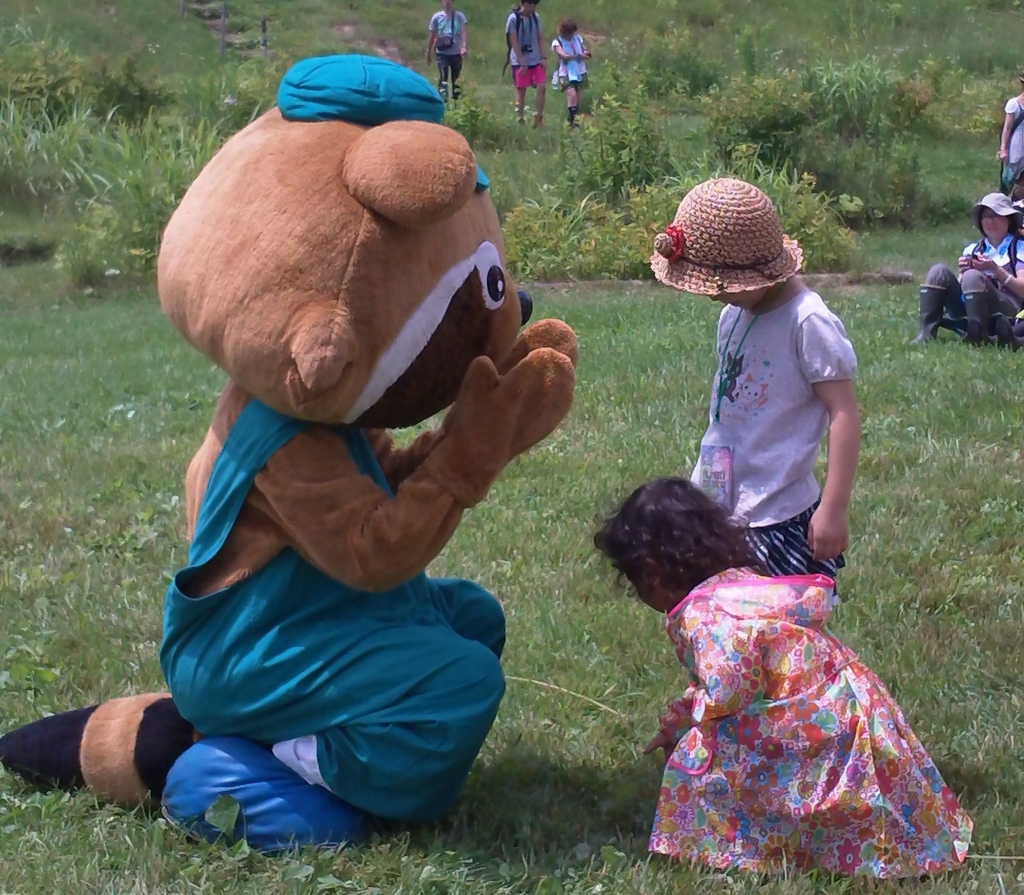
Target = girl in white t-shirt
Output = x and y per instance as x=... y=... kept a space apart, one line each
x=571 y=74
x=784 y=379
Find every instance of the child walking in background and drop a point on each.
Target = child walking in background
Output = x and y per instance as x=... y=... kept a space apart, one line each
x=784 y=752
x=571 y=74
x=447 y=37
x=785 y=376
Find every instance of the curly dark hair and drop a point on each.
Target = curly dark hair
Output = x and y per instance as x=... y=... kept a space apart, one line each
x=671 y=526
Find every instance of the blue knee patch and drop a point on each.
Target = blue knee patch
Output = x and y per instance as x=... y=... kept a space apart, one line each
x=276 y=809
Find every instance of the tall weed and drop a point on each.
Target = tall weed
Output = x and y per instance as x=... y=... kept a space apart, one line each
x=862 y=99
x=139 y=178
x=41 y=155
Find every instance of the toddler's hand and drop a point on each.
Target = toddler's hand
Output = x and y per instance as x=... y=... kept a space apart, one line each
x=828 y=533
x=661 y=741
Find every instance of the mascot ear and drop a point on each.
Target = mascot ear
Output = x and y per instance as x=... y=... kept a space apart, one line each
x=321 y=349
x=414 y=173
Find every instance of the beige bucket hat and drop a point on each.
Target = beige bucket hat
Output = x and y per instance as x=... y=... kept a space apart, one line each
x=999 y=204
x=726 y=237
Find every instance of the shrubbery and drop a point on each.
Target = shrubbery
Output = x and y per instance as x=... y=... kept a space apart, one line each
x=478 y=124
x=674 y=63
x=552 y=239
x=835 y=146
x=619 y=148
x=116 y=150
x=44 y=78
x=144 y=173
x=851 y=126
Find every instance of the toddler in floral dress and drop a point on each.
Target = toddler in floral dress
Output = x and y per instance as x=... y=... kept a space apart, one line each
x=785 y=751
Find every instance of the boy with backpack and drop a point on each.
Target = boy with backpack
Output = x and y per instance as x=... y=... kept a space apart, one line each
x=526 y=56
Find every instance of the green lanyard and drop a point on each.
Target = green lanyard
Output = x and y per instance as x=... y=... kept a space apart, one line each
x=730 y=369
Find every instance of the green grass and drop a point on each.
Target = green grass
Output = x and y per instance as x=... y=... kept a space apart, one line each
x=102 y=405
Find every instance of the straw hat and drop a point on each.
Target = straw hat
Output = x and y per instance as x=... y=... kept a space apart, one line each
x=726 y=237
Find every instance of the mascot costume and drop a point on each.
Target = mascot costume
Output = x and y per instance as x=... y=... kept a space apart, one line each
x=341 y=260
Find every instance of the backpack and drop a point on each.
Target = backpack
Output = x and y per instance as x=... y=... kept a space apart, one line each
x=518 y=10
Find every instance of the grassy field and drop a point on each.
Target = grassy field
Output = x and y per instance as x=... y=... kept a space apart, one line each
x=101 y=406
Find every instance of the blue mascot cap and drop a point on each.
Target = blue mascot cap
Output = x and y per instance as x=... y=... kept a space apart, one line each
x=367 y=90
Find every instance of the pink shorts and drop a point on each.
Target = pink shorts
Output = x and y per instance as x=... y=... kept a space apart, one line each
x=534 y=76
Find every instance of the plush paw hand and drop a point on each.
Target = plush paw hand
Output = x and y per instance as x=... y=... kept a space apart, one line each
x=497 y=416
x=543 y=383
x=542 y=334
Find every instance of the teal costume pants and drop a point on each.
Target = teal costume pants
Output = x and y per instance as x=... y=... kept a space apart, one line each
x=400 y=688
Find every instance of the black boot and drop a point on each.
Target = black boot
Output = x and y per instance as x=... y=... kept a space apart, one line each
x=1005 y=335
x=978 y=315
x=932 y=302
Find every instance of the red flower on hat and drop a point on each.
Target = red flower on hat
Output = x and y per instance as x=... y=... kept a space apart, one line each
x=675 y=233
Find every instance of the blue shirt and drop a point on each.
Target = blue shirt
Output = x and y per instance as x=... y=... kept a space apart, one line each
x=529 y=38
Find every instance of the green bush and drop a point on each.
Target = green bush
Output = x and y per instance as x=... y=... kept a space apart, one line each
x=884 y=177
x=46 y=78
x=769 y=113
x=619 y=147
x=864 y=100
x=589 y=239
x=119 y=91
x=42 y=76
x=232 y=96
x=673 y=63
x=479 y=125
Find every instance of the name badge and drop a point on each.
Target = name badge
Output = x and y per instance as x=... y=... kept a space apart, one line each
x=715 y=472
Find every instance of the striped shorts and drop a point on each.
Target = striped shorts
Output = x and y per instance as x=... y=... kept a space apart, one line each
x=783 y=548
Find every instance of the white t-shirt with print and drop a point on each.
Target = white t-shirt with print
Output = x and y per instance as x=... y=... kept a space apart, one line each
x=767 y=413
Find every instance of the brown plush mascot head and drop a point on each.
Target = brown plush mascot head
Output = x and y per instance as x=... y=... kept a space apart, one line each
x=299 y=237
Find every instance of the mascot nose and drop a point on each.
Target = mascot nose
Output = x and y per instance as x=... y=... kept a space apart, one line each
x=525 y=305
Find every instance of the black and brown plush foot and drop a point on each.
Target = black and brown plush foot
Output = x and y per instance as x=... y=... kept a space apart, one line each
x=120 y=750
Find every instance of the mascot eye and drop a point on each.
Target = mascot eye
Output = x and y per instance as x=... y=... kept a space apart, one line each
x=495 y=287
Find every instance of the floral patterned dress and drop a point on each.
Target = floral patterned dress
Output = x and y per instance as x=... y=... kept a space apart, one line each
x=790 y=753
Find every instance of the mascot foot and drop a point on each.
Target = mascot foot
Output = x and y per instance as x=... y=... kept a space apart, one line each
x=273 y=808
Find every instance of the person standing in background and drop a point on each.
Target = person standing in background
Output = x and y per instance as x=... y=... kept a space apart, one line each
x=447 y=36
x=526 y=56
x=1011 y=141
x=571 y=75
